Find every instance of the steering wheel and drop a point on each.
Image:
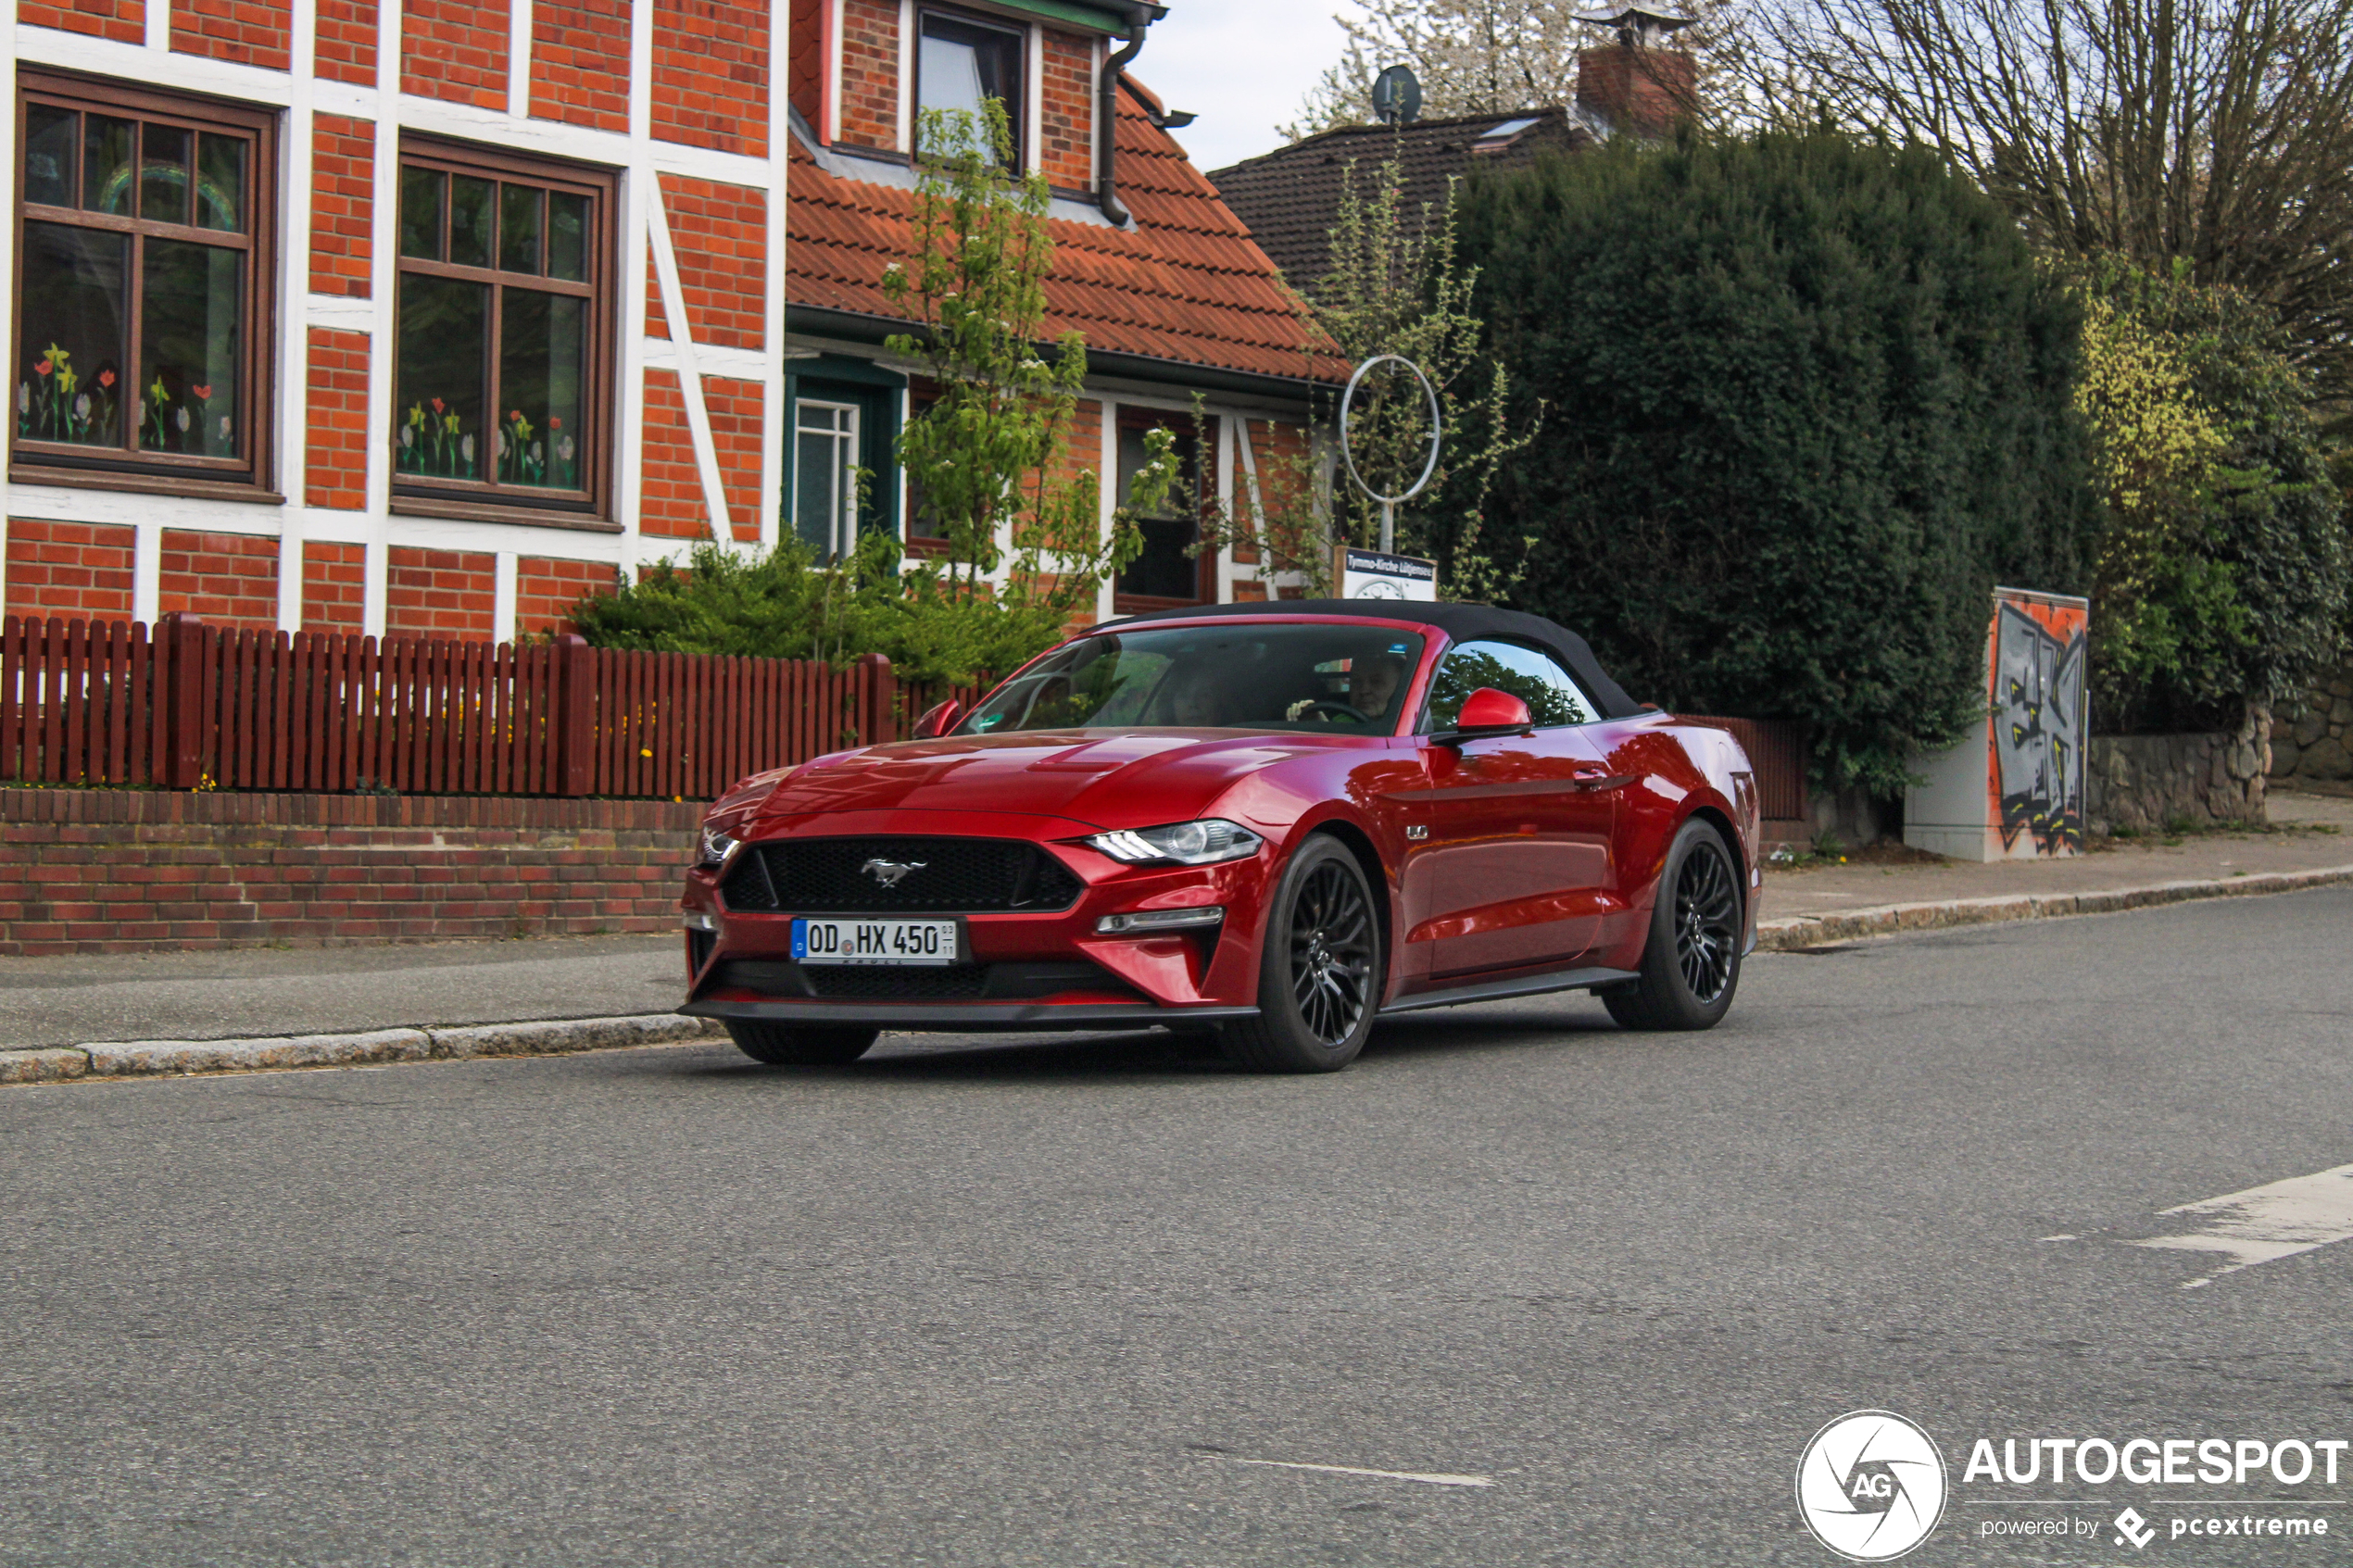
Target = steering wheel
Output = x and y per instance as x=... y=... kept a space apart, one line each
x=1340 y=708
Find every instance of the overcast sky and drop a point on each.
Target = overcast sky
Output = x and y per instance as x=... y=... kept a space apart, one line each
x=1241 y=65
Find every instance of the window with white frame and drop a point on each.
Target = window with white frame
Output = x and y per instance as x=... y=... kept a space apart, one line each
x=825 y=502
x=961 y=62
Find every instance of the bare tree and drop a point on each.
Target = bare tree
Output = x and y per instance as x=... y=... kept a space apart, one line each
x=2216 y=135
x=1486 y=56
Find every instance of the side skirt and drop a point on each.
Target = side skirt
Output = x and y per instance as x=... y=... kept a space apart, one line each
x=1499 y=990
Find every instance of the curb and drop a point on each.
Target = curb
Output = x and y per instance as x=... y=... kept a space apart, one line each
x=560 y=1036
x=1799 y=932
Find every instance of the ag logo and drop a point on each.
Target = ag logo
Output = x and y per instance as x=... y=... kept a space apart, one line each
x=1870 y=1485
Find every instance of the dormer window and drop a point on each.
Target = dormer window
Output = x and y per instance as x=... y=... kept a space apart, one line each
x=960 y=61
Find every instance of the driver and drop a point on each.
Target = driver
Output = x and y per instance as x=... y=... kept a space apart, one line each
x=1375 y=683
x=1372 y=687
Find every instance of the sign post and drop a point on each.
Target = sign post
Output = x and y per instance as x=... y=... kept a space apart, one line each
x=1374 y=575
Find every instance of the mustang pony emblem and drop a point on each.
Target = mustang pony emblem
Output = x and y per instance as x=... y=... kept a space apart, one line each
x=890 y=873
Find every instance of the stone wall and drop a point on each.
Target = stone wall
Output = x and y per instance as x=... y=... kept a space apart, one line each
x=2312 y=736
x=135 y=870
x=2144 y=784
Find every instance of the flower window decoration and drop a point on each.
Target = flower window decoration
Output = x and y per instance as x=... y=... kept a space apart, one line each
x=135 y=342
x=498 y=321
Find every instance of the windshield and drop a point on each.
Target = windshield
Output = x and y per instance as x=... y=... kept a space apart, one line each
x=1319 y=677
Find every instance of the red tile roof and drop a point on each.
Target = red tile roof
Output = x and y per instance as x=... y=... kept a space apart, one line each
x=1186 y=284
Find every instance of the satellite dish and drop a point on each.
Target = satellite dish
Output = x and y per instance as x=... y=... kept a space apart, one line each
x=1397 y=96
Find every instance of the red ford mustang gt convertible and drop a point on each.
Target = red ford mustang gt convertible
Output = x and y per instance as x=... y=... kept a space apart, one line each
x=1276 y=821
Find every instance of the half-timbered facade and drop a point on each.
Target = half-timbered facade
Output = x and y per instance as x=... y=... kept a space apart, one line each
x=407 y=316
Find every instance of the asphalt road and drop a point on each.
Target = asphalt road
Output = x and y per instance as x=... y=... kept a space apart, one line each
x=1037 y=1303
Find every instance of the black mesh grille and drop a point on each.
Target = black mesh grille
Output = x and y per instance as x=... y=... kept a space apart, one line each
x=895 y=983
x=950 y=876
x=913 y=983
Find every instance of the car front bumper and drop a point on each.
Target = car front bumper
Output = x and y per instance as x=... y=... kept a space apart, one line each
x=1063 y=973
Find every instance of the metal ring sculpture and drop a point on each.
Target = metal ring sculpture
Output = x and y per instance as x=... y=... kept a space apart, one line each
x=1349 y=397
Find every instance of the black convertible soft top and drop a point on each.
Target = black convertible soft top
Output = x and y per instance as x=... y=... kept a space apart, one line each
x=1462 y=623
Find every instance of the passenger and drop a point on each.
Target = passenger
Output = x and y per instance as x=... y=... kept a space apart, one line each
x=1193 y=700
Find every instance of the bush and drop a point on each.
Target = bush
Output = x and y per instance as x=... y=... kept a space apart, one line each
x=2223 y=567
x=786 y=605
x=1808 y=404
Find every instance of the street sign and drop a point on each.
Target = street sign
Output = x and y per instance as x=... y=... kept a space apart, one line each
x=1369 y=574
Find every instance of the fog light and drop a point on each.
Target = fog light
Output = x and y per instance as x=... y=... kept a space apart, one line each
x=1159 y=920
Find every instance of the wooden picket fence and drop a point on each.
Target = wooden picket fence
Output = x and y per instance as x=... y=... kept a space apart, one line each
x=193 y=706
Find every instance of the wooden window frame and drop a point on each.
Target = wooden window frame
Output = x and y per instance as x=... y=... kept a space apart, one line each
x=244 y=478
x=1016 y=106
x=1205 y=477
x=486 y=500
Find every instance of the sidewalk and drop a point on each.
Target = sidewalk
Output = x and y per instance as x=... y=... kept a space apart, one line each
x=280 y=1007
x=2309 y=834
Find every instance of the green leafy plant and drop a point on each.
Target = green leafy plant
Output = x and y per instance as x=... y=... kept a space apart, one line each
x=1811 y=401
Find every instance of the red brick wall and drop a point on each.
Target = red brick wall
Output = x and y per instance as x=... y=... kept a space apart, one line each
x=455 y=50
x=1066 y=110
x=870 y=73
x=547 y=589
x=229 y=579
x=807 y=65
x=336 y=474
x=68 y=569
x=733 y=407
x=346 y=48
x=672 y=503
x=343 y=174
x=580 y=63
x=711 y=75
x=123 y=21
x=1280 y=450
x=335 y=586
x=250 y=33
x=439 y=592
x=129 y=870
x=721 y=234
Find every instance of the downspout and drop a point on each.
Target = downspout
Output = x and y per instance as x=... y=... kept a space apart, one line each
x=1107 y=116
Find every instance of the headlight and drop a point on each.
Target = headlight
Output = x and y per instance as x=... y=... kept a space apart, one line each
x=716 y=847
x=1185 y=844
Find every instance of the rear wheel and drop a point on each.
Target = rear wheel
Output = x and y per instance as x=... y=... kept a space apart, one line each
x=801 y=1045
x=1319 y=974
x=1692 y=964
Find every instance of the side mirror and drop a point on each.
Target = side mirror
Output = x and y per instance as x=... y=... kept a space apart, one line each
x=1487 y=712
x=936 y=722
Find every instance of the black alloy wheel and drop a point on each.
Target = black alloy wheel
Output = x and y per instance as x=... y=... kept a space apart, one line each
x=1691 y=964
x=1320 y=969
x=1331 y=952
x=1708 y=921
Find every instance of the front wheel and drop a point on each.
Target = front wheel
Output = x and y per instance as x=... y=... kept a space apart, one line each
x=1691 y=964
x=1319 y=974
x=800 y=1045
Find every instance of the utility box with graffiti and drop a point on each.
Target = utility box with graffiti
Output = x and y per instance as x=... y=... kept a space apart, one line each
x=2014 y=791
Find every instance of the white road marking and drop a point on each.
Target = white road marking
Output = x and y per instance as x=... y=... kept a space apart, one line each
x=2261 y=1224
x=2058 y=1238
x=1354 y=1470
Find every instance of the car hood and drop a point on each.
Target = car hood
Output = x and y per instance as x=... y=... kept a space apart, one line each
x=1108 y=779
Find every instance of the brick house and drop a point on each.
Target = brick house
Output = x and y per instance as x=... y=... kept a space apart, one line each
x=347 y=315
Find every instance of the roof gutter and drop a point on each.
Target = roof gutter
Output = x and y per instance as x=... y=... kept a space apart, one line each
x=1139 y=19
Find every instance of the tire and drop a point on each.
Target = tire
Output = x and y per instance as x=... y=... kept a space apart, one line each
x=1691 y=964
x=1319 y=972
x=801 y=1045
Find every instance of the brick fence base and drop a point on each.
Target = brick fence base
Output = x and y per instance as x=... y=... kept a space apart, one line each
x=127 y=871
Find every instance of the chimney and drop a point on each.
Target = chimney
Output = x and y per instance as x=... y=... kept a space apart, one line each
x=1636 y=86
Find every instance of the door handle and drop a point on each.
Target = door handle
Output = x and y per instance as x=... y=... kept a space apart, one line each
x=1596 y=782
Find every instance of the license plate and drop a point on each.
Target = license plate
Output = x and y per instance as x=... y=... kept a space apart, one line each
x=874 y=941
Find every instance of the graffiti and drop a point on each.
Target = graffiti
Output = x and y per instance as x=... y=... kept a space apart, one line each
x=2039 y=721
